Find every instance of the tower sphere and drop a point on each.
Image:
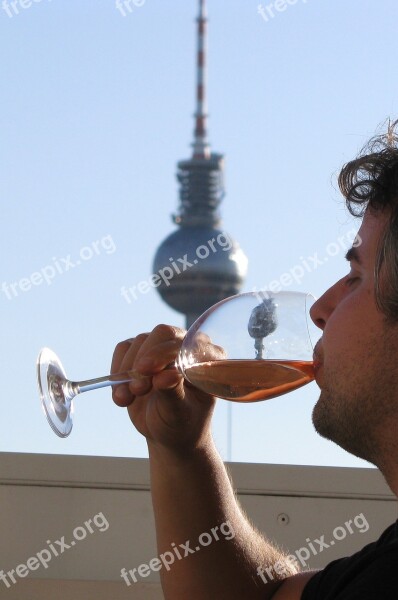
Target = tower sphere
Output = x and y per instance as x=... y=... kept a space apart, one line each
x=198 y=266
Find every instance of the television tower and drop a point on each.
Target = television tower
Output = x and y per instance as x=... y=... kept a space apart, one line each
x=200 y=262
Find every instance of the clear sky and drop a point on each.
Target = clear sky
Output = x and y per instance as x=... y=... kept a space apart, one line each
x=96 y=109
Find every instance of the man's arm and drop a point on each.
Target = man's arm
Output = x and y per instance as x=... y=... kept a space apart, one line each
x=208 y=548
x=193 y=495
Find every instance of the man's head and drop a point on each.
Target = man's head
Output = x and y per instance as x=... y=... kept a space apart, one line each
x=357 y=354
x=370 y=183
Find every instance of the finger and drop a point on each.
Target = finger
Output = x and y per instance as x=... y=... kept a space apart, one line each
x=118 y=355
x=167 y=380
x=124 y=355
x=160 y=348
x=147 y=354
x=122 y=395
x=160 y=357
x=129 y=358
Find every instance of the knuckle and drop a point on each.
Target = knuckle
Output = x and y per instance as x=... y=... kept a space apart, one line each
x=168 y=331
x=164 y=330
x=122 y=347
x=140 y=338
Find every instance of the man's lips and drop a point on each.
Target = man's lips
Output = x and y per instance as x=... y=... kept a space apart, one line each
x=317 y=361
x=316 y=365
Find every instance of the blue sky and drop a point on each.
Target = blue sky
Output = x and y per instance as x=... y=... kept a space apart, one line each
x=96 y=111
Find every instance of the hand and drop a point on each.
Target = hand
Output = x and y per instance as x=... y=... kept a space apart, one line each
x=163 y=407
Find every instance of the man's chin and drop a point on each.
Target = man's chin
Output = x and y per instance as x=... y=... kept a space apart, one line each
x=324 y=421
x=340 y=429
x=321 y=423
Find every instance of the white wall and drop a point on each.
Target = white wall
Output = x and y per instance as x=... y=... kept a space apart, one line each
x=45 y=497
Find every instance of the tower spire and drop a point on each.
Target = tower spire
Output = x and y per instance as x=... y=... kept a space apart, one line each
x=201 y=148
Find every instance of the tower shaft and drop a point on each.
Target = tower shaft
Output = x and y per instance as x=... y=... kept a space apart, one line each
x=201 y=147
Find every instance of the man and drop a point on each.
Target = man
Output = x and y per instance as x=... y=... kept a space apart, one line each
x=357 y=371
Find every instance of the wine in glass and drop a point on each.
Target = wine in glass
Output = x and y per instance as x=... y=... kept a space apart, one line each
x=249 y=347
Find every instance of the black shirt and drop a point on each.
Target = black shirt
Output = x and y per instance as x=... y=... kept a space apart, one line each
x=370 y=574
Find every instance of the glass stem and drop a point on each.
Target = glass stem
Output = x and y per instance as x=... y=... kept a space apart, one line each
x=79 y=387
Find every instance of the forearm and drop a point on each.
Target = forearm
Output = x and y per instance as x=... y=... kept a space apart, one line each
x=192 y=495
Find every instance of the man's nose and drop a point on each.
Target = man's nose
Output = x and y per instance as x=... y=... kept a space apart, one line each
x=323 y=307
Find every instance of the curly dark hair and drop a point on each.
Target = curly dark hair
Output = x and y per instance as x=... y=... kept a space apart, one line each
x=370 y=182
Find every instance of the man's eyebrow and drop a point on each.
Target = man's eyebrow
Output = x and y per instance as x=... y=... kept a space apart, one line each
x=353 y=255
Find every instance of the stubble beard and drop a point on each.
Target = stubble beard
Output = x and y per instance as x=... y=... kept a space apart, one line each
x=335 y=418
x=356 y=411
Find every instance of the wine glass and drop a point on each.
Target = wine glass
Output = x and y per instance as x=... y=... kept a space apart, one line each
x=249 y=347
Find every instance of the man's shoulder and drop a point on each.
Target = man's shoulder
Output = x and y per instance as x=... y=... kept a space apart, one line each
x=292 y=588
x=365 y=575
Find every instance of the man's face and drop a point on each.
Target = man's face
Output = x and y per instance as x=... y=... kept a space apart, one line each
x=356 y=358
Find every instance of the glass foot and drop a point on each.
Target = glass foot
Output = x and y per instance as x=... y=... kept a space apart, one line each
x=56 y=392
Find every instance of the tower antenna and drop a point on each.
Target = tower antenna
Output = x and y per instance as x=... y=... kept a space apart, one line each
x=201 y=148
